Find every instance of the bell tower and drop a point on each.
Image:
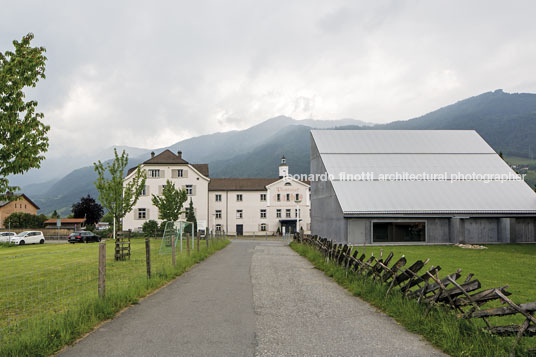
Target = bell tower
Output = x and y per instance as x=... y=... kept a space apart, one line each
x=283 y=168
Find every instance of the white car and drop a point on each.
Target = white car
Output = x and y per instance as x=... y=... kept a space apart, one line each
x=28 y=237
x=5 y=236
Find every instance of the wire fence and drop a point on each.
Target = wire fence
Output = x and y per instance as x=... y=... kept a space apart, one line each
x=39 y=283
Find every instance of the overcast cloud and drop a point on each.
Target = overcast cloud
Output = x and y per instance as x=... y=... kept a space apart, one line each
x=148 y=74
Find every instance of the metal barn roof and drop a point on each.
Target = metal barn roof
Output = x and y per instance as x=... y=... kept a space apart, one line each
x=441 y=197
x=400 y=141
x=422 y=152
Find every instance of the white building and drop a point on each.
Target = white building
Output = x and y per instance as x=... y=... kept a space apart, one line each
x=236 y=206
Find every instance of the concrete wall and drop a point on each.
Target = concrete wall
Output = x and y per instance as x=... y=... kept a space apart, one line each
x=525 y=230
x=473 y=230
x=326 y=214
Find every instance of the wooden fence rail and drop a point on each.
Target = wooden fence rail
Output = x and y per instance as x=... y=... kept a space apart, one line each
x=425 y=285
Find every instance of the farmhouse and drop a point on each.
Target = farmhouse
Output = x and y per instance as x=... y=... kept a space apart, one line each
x=234 y=206
x=415 y=186
x=22 y=204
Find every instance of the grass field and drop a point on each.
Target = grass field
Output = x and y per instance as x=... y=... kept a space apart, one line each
x=530 y=177
x=499 y=265
x=49 y=295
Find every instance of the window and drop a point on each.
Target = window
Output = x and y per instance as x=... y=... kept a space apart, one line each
x=399 y=231
x=296 y=212
x=288 y=213
x=179 y=173
x=288 y=196
x=297 y=197
x=279 y=197
x=263 y=213
x=142 y=213
x=278 y=213
x=218 y=198
x=154 y=173
x=239 y=197
x=263 y=227
x=189 y=189
x=218 y=214
x=288 y=184
x=239 y=213
x=218 y=227
x=263 y=196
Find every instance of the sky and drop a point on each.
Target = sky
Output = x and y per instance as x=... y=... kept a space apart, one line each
x=151 y=73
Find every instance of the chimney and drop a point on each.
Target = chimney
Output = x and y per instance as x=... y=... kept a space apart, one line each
x=179 y=154
x=152 y=154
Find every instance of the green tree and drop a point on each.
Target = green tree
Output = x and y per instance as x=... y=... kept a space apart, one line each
x=170 y=204
x=55 y=215
x=89 y=209
x=117 y=198
x=25 y=220
x=108 y=218
x=190 y=215
x=23 y=137
x=150 y=228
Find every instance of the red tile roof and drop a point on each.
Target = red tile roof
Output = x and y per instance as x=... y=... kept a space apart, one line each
x=66 y=220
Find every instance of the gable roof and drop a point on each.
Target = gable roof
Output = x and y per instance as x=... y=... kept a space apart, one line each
x=202 y=168
x=3 y=203
x=447 y=160
x=166 y=157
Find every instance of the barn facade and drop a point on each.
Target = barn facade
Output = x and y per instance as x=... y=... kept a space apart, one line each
x=416 y=187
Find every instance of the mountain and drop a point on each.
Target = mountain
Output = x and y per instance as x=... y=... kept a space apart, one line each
x=54 y=168
x=507 y=121
x=224 y=152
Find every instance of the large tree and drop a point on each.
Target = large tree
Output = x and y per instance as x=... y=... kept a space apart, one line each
x=89 y=209
x=170 y=203
x=23 y=137
x=117 y=198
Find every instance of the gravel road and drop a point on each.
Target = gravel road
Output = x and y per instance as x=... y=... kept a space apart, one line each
x=254 y=298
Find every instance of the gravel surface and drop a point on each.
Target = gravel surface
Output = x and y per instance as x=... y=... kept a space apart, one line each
x=253 y=298
x=301 y=312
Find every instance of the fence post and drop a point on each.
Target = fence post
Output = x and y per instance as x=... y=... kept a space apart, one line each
x=102 y=270
x=188 y=243
x=148 y=256
x=173 y=260
x=206 y=238
x=198 y=241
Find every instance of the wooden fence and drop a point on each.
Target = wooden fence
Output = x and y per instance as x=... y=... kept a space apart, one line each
x=49 y=233
x=415 y=282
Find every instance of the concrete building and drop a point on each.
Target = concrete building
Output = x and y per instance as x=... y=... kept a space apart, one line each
x=382 y=186
x=234 y=206
x=22 y=204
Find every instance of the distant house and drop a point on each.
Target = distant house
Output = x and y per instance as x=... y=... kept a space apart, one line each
x=66 y=223
x=102 y=226
x=22 y=204
x=407 y=186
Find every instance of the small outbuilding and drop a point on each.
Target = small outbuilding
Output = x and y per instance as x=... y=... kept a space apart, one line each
x=416 y=186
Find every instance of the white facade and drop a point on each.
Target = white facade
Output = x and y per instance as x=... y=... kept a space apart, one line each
x=184 y=176
x=234 y=206
x=262 y=211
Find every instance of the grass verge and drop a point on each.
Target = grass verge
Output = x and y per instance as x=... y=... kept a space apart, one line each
x=440 y=327
x=47 y=334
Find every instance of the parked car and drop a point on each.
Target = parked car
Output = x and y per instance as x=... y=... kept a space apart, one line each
x=28 y=237
x=6 y=236
x=83 y=237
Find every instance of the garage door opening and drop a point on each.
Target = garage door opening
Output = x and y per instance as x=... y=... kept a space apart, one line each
x=391 y=232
